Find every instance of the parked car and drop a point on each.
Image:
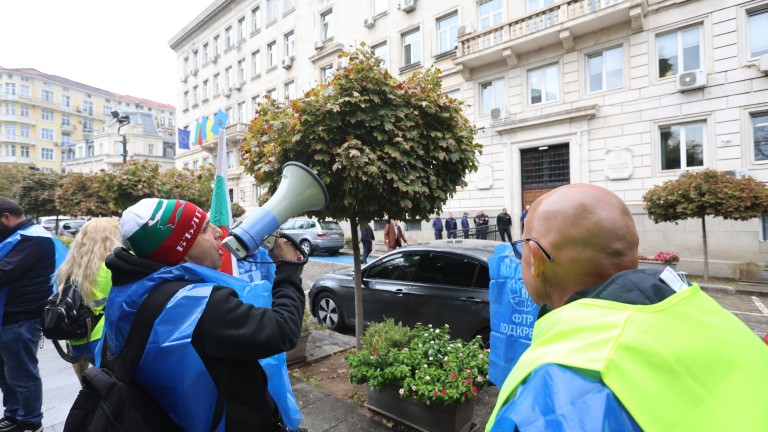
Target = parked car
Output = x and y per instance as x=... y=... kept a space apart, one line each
x=313 y=235
x=440 y=282
x=49 y=222
x=70 y=227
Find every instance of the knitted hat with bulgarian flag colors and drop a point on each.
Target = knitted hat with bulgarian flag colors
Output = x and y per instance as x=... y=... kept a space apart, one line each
x=162 y=230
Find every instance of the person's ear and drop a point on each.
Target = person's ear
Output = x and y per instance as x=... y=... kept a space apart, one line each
x=538 y=261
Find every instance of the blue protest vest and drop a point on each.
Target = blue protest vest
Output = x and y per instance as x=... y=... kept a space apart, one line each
x=169 y=348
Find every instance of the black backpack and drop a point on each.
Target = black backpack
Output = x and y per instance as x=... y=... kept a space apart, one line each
x=110 y=400
x=66 y=317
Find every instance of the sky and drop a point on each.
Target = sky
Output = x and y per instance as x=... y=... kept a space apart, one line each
x=119 y=46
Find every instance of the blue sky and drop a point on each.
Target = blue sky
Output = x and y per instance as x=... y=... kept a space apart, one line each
x=117 y=46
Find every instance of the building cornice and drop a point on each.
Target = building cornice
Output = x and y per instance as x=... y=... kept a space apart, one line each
x=205 y=17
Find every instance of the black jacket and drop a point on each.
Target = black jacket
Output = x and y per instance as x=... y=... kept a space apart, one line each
x=504 y=219
x=366 y=233
x=635 y=287
x=26 y=272
x=231 y=336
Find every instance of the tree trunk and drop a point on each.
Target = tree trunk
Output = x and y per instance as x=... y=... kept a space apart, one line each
x=706 y=255
x=353 y=224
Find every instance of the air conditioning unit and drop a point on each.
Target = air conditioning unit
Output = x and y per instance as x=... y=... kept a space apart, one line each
x=737 y=174
x=193 y=72
x=319 y=45
x=183 y=79
x=78 y=109
x=499 y=113
x=227 y=92
x=465 y=29
x=238 y=86
x=691 y=80
x=215 y=58
x=342 y=63
x=407 y=5
x=286 y=62
x=369 y=22
x=762 y=64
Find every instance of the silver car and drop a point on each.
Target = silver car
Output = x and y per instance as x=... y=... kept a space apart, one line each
x=313 y=235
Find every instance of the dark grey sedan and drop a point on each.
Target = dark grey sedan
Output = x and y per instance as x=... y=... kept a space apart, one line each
x=441 y=282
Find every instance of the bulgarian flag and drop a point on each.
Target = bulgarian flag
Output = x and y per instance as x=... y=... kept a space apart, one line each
x=221 y=209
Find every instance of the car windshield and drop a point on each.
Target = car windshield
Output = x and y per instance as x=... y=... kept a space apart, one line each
x=330 y=225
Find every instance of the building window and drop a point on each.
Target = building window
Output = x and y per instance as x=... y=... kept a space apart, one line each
x=195 y=60
x=455 y=93
x=326 y=73
x=88 y=107
x=10 y=150
x=10 y=109
x=241 y=71
x=162 y=119
x=288 y=5
x=241 y=112
x=271 y=11
x=272 y=93
x=491 y=96
x=256 y=63
x=186 y=66
x=256 y=18
x=758 y=32
x=413 y=225
x=66 y=140
x=764 y=227
x=228 y=78
x=46 y=134
x=66 y=120
x=378 y=6
x=216 y=46
x=241 y=28
x=88 y=125
x=256 y=192
x=170 y=121
x=206 y=54
x=25 y=131
x=534 y=5
x=229 y=38
x=760 y=135
x=66 y=101
x=46 y=153
x=290 y=90
x=327 y=19
x=206 y=93
x=678 y=51
x=382 y=52
x=217 y=84
x=195 y=165
x=195 y=96
x=489 y=13
x=272 y=54
x=10 y=130
x=24 y=151
x=150 y=149
x=106 y=109
x=289 y=44
x=186 y=100
x=446 y=32
x=47 y=95
x=10 y=89
x=24 y=91
x=543 y=84
x=412 y=48
x=24 y=111
x=230 y=159
x=605 y=70
x=682 y=146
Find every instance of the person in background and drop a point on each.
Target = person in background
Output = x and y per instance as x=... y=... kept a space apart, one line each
x=206 y=340
x=451 y=226
x=522 y=218
x=367 y=238
x=465 y=225
x=85 y=270
x=393 y=235
x=504 y=222
x=481 y=225
x=632 y=349
x=437 y=225
x=27 y=261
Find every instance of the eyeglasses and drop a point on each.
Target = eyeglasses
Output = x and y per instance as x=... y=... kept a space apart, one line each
x=517 y=248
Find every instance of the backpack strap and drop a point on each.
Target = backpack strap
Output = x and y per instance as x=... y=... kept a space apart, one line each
x=124 y=365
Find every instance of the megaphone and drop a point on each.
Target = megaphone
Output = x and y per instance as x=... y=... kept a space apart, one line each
x=300 y=190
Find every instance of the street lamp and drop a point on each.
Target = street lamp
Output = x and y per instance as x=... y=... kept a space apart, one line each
x=122 y=120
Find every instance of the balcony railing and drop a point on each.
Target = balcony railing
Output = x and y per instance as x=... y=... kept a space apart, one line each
x=17 y=139
x=17 y=119
x=555 y=15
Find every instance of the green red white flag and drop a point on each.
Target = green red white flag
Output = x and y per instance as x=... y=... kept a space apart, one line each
x=221 y=208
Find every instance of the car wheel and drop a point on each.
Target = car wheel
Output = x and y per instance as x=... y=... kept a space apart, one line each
x=306 y=246
x=328 y=312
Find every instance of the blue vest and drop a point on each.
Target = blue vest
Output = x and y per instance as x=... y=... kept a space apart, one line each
x=169 y=348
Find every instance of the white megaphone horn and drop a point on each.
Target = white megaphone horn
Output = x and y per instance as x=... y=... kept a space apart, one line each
x=300 y=190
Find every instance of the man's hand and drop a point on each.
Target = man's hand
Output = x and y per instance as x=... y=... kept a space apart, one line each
x=283 y=249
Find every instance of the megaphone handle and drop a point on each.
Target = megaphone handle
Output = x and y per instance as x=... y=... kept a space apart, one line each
x=304 y=256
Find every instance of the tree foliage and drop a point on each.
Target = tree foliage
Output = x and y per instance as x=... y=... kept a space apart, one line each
x=193 y=186
x=369 y=137
x=79 y=194
x=12 y=175
x=706 y=193
x=382 y=147
x=35 y=193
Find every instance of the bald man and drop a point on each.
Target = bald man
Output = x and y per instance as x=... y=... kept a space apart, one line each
x=617 y=348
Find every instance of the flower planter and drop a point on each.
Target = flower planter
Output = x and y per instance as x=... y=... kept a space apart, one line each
x=418 y=415
x=656 y=265
x=299 y=353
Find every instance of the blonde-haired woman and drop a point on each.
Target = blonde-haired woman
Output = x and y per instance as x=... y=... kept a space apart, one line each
x=84 y=269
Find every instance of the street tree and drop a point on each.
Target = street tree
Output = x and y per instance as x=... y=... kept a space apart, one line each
x=11 y=175
x=195 y=186
x=706 y=193
x=129 y=184
x=79 y=194
x=35 y=193
x=382 y=147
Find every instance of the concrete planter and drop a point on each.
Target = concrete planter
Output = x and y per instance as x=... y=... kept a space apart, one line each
x=656 y=265
x=418 y=415
x=299 y=353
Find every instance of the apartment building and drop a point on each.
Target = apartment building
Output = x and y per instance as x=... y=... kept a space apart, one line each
x=625 y=94
x=57 y=124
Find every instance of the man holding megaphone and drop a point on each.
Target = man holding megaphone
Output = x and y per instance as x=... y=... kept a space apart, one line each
x=207 y=339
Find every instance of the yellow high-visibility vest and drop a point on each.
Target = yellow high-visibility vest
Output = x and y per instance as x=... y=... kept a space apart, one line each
x=684 y=364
